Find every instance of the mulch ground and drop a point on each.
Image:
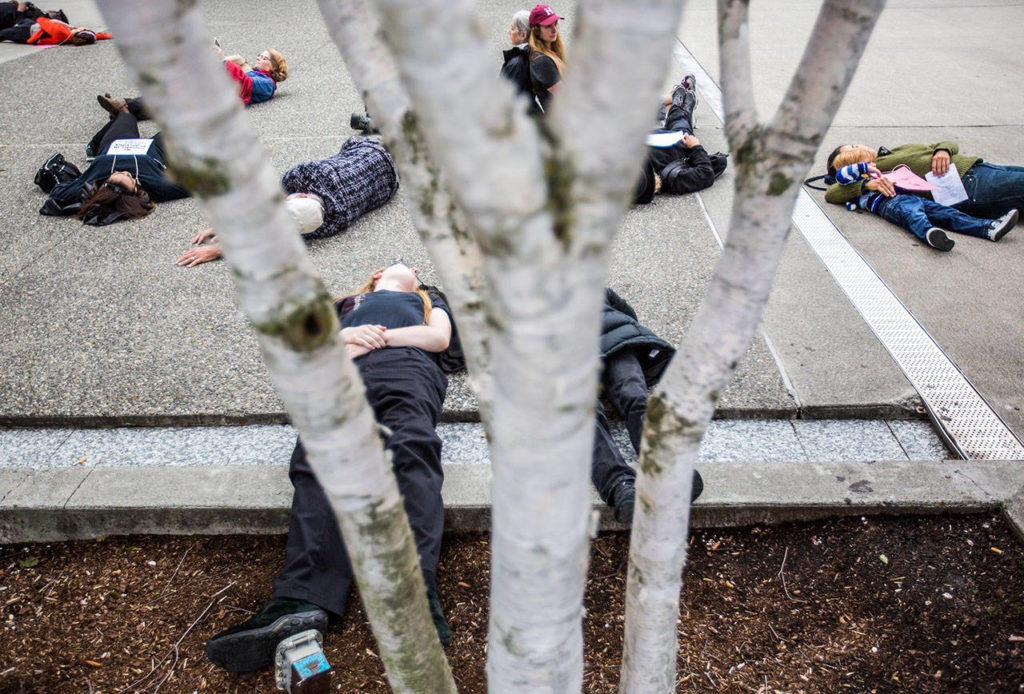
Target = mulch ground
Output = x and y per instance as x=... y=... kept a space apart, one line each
x=921 y=604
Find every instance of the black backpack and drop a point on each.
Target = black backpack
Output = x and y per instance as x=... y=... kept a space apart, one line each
x=56 y=170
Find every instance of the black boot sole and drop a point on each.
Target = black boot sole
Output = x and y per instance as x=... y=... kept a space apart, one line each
x=253 y=649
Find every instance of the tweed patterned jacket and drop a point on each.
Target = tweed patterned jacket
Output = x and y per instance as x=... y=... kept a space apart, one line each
x=359 y=178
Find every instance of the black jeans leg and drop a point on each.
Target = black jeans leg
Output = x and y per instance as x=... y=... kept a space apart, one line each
x=626 y=389
x=124 y=127
x=607 y=467
x=681 y=117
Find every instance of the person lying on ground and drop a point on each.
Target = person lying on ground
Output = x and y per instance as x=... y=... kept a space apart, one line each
x=13 y=12
x=395 y=331
x=547 y=54
x=992 y=190
x=633 y=359
x=51 y=32
x=682 y=167
x=358 y=179
x=925 y=218
x=117 y=185
x=255 y=84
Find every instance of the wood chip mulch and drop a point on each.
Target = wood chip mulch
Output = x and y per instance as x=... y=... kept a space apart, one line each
x=900 y=604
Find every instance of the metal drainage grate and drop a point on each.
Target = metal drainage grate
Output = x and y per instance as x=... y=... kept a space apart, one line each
x=969 y=424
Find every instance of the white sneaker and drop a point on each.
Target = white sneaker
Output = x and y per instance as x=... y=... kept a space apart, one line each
x=1000 y=227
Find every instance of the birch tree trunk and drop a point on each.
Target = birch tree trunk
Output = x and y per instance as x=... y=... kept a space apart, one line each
x=211 y=152
x=771 y=162
x=543 y=202
x=457 y=258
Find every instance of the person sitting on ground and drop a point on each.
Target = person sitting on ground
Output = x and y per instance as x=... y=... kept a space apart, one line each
x=682 y=167
x=395 y=331
x=633 y=359
x=43 y=31
x=516 y=67
x=992 y=190
x=358 y=179
x=547 y=54
x=13 y=12
x=117 y=185
x=924 y=218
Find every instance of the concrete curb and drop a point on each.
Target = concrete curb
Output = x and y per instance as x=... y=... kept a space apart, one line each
x=86 y=503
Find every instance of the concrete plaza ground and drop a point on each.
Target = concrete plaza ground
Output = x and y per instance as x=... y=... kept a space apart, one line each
x=101 y=328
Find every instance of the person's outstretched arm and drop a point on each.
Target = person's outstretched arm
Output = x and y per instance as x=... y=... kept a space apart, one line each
x=203 y=254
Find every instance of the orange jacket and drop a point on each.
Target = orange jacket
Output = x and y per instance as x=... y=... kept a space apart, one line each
x=54 y=31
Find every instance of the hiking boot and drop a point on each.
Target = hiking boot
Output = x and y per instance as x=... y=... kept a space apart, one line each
x=689 y=83
x=444 y=632
x=937 y=239
x=113 y=106
x=251 y=645
x=1000 y=227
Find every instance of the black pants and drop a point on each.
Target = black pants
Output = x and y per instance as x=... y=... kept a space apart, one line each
x=624 y=386
x=406 y=390
x=677 y=118
x=124 y=127
x=18 y=32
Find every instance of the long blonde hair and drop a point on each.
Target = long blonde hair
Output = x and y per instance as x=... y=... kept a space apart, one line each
x=841 y=158
x=554 y=50
x=371 y=285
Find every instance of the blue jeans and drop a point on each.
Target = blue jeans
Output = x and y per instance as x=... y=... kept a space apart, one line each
x=993 y=190
x=918 y=215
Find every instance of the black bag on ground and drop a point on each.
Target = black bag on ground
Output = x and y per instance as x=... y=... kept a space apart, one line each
x=56 y=170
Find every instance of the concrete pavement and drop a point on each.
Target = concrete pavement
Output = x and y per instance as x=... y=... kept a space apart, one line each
x=101 y=329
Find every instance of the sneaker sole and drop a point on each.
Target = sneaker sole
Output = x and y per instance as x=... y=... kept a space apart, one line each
x=245 y=651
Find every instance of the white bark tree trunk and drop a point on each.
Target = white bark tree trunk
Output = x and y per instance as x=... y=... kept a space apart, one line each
x=211 y=151
x=770 y=163
x=457 y=258
x=543 y=203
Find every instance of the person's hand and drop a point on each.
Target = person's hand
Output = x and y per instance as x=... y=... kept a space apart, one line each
x=219 y=50
x=195 y=256
x=203 y=235
x=873 y=170
x=940 y=163
x=366 y=336
x=355 y=350
x=690 y=140
x=882 y=185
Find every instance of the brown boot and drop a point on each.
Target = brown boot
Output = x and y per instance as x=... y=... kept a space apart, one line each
x=113 y=106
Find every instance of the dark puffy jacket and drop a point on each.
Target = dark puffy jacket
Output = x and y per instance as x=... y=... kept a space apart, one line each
x=621 y=330
x=516 y=69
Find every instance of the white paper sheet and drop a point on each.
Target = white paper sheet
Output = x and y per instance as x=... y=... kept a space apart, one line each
x=133 y=146
x=950 y=187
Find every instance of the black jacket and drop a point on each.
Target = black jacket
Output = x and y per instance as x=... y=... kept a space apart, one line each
x=620 y=330
x=682 y=169
x=516 y=69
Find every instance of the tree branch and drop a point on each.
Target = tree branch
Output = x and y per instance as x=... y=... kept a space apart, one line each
x=602 y=113
x=213 y=152
x=737 y=84
x=456 y=256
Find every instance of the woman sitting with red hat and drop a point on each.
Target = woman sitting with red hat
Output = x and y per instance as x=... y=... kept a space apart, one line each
x=547 y=54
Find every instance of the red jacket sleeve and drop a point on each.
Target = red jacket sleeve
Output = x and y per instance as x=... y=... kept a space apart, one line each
x=244 y=81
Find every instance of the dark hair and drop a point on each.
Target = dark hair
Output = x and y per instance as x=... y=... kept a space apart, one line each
x=104 y=199
x=82 y=38
x=831 y=158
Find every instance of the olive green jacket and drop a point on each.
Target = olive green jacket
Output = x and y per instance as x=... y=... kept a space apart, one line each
x=918 y=158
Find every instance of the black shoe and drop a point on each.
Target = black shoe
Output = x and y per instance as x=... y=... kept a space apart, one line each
x=625 y=501
x=251 y=645
x=698 y=486
x=937 y=239
x=444 y=632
